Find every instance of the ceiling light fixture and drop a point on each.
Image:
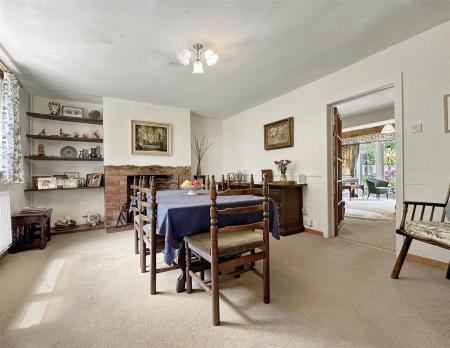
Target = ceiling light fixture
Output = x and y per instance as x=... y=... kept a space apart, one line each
x=389 y=128
x=197 y=55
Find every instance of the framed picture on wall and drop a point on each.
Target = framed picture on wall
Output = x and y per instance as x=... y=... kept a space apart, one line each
x=447 y=113
x=151 y=138
x=279 y=134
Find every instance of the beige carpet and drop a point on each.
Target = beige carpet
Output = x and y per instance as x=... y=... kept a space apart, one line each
x=377 y=233
x=85 y=290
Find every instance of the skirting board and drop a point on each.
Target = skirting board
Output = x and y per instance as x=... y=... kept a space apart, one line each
x=312 y=231
x=427 y=261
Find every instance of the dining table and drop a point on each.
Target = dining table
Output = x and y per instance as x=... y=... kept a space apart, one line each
x=180 y=215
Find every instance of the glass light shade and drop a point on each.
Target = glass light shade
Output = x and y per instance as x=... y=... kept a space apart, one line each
x=212 y=59
x=208 y=53
x=198 y=67
x=389 y=128
x=184 y=56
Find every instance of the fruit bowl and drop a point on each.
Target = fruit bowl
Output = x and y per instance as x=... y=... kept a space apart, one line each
x=192 y=190
x=191 y=187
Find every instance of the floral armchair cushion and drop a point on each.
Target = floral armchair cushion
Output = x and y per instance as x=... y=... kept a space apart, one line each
x=432 y=230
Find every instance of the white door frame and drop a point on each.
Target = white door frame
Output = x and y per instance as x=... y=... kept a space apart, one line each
x=395 y=82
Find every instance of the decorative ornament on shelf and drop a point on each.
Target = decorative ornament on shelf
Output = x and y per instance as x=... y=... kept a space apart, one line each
x=92 y=219
x=94 y=115
x=200 y=148
x=95 y=134
x=282 y=168
x=42 y=132
x=62 y=134
x=54 y=108
x=197 y=54
x=40 y=150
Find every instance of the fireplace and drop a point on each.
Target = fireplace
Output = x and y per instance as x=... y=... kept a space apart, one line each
x=118 y=180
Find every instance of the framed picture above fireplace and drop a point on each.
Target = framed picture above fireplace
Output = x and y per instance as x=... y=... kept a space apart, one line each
x=151 y=138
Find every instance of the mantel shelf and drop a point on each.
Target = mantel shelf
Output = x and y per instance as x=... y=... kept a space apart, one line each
x=64 y=118
x=56 y=158
x=64 y=189
x=59 y=138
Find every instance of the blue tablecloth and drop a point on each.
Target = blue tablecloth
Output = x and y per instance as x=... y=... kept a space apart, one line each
x=180 y=215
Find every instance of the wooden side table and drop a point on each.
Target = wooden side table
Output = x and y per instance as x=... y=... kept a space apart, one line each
x=22 y=223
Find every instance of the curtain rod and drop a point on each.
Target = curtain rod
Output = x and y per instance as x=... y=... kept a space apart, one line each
x=4 y=68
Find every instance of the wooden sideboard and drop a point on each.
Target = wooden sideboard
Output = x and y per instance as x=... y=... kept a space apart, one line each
x=289 y=201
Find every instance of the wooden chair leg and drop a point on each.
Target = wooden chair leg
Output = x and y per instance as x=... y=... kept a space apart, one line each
x=401 y=257
x=448 y=271
x=266 y=280
x=143 y=253
x=188 y=268
x=153 y=266
x=136 y=241
x=215 y=293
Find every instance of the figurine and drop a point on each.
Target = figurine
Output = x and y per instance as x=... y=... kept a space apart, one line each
x=41 y=151
x=62 y=134
x=95 y=135
x=42 y=132
x=75 y=134
x=85 y=135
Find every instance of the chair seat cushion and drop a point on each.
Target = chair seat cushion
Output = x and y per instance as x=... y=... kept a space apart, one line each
x=431 y=230
x=229 y=243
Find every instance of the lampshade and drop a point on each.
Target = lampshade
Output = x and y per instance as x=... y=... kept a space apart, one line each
x=212 y=59
x=389 y=128
x=198 y=67
x=184 y=56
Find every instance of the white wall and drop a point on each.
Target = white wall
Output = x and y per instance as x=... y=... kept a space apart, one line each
x=424 y=61
x=74 y=203
x=118 y=114
x=368 y=117
x=212 y=129
x=18 y=197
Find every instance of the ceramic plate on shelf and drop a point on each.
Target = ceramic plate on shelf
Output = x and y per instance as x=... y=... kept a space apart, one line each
x=68 y=151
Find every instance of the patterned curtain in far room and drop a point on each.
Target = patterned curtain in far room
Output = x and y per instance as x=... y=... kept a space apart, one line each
x=11 y=160
x=350 y=156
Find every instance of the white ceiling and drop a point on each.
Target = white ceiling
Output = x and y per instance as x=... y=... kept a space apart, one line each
x=372 y=102
x=127 y=49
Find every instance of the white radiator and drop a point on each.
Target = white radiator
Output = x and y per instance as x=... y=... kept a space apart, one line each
x=5 y=222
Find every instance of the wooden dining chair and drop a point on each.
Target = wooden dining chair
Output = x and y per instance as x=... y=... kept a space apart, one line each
x=138 y=182
x=234 y=247
x=434 y=232
x=151 y=243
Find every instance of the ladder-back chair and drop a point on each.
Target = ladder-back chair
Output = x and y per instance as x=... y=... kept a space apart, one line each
x=233 y=247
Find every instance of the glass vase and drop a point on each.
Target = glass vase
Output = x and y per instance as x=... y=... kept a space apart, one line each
x=283 y=177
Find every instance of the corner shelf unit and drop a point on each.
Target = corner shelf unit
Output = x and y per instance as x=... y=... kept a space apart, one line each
x=32 y=137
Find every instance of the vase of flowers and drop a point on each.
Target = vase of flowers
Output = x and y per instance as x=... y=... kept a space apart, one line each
x=282 y=168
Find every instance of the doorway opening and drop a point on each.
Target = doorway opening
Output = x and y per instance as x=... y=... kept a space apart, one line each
x=365 y=153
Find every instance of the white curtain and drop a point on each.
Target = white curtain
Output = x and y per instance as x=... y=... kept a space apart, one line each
x=11 y=160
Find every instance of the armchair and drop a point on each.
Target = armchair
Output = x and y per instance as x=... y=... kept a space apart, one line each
x=377 y=187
